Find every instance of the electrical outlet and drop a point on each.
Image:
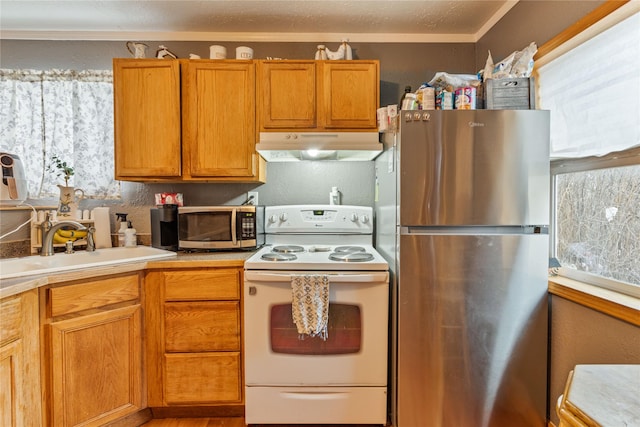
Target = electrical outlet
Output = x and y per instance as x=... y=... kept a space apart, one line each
x=252 y=196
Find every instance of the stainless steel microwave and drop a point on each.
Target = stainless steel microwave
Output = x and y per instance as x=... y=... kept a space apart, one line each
x=220 y=227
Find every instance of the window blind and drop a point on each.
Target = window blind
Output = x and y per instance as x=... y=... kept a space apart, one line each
x=593 y=93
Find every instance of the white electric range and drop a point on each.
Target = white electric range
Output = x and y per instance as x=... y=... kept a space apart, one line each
x=338 y=380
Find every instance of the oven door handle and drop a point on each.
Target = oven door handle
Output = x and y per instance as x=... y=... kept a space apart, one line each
x=369 y=277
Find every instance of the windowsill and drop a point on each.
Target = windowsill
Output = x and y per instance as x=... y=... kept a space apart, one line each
x=620 y=306
x=25 y=207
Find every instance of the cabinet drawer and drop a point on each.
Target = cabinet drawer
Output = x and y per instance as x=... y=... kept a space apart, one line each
x=93 y=294
x=202 y=378
x=11 y=315
x=205 y=284
x=202 y=326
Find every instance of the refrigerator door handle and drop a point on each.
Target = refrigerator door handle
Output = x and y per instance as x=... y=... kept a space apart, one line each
x=480 y=230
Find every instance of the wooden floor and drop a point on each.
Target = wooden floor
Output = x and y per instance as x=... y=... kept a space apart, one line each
x=215 y=422
x=196 y=422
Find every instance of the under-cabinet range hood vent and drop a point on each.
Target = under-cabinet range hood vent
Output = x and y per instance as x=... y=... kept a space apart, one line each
x=296 y=146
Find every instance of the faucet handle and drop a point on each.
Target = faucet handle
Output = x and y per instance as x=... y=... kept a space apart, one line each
x=91 y=243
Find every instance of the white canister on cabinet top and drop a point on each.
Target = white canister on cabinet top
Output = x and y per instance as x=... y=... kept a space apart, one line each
x=217 y=52
x=244 y=52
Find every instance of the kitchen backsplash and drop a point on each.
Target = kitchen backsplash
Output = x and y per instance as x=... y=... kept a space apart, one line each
x=287 y=184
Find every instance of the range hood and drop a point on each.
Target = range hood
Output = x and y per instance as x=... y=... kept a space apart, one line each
x=296 y=146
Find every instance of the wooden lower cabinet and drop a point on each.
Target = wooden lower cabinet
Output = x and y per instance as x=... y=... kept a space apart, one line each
x=93 y=360
x=193 y=337
x=20 y=361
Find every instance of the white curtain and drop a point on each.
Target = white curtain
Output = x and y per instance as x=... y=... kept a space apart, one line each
x=61 y=113
x=593 y=93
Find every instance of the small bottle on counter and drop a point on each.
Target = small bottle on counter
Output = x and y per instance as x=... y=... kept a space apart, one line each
x=122 y=218
x=130 y=236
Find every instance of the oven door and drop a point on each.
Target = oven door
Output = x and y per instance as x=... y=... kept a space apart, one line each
x=355 y=351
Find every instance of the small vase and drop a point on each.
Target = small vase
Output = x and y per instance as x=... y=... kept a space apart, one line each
x=68 y=203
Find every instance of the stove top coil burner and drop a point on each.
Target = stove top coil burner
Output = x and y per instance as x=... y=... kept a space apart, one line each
x=351 y=256
x=274 y=256
x=348 y=249
x=287 y=249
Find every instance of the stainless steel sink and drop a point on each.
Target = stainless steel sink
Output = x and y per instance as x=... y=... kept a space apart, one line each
x=37 y=265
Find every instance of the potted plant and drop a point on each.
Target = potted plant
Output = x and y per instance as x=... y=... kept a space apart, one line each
x=67 y=206
x=62 y=167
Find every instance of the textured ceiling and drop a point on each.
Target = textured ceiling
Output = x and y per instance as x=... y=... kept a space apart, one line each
x=454 y=19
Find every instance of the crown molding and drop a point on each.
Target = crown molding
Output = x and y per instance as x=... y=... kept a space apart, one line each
x=237 y=36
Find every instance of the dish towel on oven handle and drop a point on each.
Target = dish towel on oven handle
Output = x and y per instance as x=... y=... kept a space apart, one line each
x=310 y=304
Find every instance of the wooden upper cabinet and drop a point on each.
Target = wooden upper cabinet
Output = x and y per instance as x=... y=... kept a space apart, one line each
x=218 y=130
x=318 y=95
x=185 y=120
x=351 y=94
x=287 y=94
x=147 y=118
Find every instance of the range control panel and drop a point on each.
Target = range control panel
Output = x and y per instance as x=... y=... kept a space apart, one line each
x=319 y=219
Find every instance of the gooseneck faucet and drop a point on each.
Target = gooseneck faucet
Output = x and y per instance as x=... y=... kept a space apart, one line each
x=49 y=229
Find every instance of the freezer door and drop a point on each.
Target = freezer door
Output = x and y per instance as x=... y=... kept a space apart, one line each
x=475 y=167
x=472 y=331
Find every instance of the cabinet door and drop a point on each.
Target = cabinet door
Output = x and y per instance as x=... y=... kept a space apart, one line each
x=350 y=92
x=96 y=367
x=218 y=119
x=11 y=369
x=147 y=118
x=287 y=95
x=20 y=397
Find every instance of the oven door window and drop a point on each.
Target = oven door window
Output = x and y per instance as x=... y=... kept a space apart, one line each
x=344 y=337
x=205 y=226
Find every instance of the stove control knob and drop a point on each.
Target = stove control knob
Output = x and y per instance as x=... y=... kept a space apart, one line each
x=283 y=217
x=273 y=218
x=364 y=219
x=353 y=217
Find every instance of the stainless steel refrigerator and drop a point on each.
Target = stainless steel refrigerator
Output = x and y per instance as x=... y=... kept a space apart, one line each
x=462 y=207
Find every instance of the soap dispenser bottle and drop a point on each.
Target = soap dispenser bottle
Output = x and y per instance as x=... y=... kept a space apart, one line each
x=130 y=236
x=334 y=196
x=122 y=219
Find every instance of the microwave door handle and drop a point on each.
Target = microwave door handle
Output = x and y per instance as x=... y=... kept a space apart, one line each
x=233 y=227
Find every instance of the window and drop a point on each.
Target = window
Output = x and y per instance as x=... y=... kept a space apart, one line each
x=593 y=93
x=67 y=114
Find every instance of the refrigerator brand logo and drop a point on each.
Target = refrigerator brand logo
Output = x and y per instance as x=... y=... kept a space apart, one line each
x=475 y=124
